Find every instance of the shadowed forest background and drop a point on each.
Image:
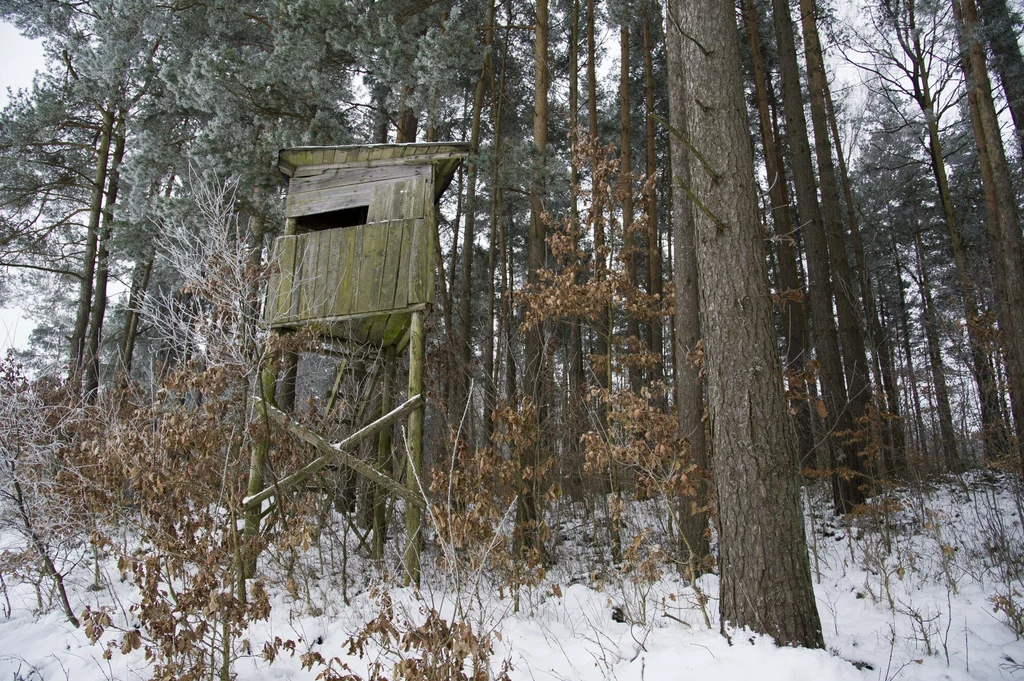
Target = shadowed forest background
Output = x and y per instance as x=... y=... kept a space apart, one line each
x=700 y=304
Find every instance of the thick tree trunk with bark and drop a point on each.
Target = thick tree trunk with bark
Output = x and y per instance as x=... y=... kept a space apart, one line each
x=1007 y=61
x=765 y=572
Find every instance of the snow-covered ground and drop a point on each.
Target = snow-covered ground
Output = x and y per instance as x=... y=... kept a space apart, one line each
x=908 y=594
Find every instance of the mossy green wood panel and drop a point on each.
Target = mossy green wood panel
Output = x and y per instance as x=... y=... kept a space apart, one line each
x=349 y=304
x=375 y=328
x=347 y=240
x=285 y=288
x=375 y=241
x=306 y=276
x=397 y=200
x=273 y=283
x=285 y=248
x=392 y=264
x=422 y=258
x=402 y=200
x=327 y=269
x=369 y=271
x=405 y=262
x=430 y=267
x=380 y=203
x=395 y=329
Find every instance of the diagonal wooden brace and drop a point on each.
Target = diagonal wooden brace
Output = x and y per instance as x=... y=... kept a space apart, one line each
x=337 y=453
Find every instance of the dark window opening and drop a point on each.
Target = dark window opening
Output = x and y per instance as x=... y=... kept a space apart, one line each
x=346 y=217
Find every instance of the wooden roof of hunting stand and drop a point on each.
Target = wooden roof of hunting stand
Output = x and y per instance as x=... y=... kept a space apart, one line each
x=358 y=253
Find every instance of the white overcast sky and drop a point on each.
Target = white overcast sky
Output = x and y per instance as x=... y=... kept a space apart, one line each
x=19 y=60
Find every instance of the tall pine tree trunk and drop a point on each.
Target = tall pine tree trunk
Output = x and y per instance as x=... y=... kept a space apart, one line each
x=126 y=350
x=947 y=436
x=1005 y=241
x=1003 y=33
x=993 y=429
x=575 y=404
x=469 y=225
x=844 y=286
x=491 y=380
x=528 y=514
x=765 y=572
x=654 y=276
x=792 y=310
x=99 y=305
x=846 y=490
x=602 y=326
x=903 y=317
x=91 y=240
x=629 y=250
x=693 y=521
x=895 y=440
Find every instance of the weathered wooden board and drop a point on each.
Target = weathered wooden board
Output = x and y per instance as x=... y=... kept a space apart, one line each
x=326 y=200
x=375 y=243
x=327 y=267
x=345 y=177
x=299 y=161
x=346 y=265
x=348 y=305
x=420 y=258
x=305 y=273
x=392 y=265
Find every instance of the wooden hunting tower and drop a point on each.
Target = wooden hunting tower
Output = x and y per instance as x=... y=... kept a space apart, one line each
x=357 y=263
x=359 y=251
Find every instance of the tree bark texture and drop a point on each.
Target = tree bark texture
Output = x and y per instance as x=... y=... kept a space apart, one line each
x=91 y=383
x=792 y=296
x=629 y=250
x=765 y=572
x=693 y=523
x=91 y=240
x=656 y=339
x=947 y=436
x=1005 y=241
x=846 y=490
x=528 y=515
x=851 y=329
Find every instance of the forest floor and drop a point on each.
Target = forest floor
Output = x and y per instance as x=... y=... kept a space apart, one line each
x=929 y=586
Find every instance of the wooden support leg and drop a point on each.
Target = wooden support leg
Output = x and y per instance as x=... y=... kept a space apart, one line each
x=257 y=462
x=383 y=457
x=415 y=445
